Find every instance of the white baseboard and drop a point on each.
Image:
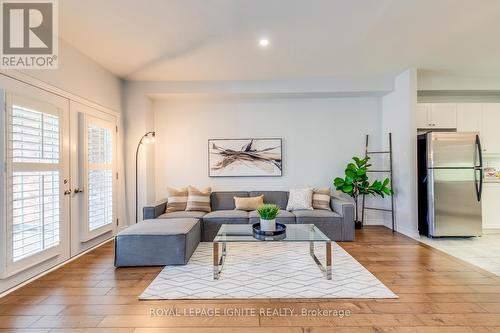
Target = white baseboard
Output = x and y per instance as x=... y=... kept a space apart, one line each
x=374 y=222
x=488 y=231
x=412 y=233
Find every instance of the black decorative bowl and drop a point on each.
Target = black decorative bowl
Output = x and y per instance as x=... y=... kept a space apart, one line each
x=260 y=234
x=269 y=238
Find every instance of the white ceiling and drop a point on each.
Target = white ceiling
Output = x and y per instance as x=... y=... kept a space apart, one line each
x=218 y=39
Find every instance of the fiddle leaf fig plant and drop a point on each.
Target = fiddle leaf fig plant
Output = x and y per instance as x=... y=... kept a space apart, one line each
x=356 y=183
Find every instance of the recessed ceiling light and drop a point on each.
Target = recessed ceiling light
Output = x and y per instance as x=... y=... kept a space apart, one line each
x=264 y=42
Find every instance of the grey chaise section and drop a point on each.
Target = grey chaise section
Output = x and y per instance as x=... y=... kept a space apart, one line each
x=337 y=224
x=158 y=242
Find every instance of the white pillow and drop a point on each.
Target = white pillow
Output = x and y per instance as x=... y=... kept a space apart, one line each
x=300 y=198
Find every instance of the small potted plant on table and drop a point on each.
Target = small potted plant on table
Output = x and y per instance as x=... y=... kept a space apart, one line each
x=268 y=213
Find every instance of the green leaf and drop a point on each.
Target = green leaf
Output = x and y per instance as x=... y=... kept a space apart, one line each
x=348 y=180
x=350 y=173
x=338 y=182
x=268 y=211
x=377 y=185
x=347 y=189
x=386 y=182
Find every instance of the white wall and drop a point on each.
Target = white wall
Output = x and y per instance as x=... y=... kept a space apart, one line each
x=138 y=108
x=398 y=117
x=320 y=135
x=81 y=76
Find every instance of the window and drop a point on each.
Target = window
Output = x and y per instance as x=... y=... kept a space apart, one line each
x=99 y=175
x=33 y=181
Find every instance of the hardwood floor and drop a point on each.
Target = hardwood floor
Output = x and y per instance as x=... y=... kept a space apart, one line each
x=437 y=293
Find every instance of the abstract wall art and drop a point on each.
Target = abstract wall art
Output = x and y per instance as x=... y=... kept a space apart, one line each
x=245 y=157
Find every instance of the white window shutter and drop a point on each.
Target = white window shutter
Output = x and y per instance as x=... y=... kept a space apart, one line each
x=33 y=181
x=98 y=175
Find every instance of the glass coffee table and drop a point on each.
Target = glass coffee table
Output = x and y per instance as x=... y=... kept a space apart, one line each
x=243 y=233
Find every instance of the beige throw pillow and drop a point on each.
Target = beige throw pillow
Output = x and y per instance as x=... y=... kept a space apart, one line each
x=300 y=199
x=321 y=198
x=176 y=199
x=248 y=203
x=198 y=200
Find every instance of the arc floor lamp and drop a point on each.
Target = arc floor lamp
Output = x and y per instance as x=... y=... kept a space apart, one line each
x=149 y=137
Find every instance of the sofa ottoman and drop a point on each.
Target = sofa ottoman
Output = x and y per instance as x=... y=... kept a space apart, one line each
x=158 y=242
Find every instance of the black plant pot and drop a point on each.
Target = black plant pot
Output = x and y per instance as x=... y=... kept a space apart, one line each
x=357 y=223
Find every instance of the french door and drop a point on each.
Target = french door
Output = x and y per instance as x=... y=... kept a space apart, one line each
x=93 y=175
x=60 y=179
x=37 y=205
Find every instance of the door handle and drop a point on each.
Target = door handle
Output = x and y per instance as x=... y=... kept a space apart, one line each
x=67 y=192
x=479 y=168
x=78 y=190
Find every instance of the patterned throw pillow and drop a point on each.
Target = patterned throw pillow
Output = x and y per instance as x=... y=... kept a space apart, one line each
x=300 y=198
x=248 y=203
x=321 y=198
x=176 y=199
x=198 y=200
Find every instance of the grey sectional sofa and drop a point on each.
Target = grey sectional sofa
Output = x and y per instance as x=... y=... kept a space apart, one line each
x=337 y=224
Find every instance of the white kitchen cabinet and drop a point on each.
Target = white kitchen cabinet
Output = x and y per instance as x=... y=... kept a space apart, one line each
x=444 y=115
x=423 y=115
x=469 y=117
x=436 y=115
x=489 y=201
x=490 y=124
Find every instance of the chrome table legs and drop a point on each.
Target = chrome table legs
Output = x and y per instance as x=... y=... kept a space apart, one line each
x=327 y=269
x=218 y=259
x=218 y=262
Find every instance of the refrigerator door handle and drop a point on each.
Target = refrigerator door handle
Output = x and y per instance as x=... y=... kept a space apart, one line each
x=479 y=151
x=479 y=187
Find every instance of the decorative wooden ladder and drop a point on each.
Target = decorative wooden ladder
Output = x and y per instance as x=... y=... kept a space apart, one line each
x=390 y=172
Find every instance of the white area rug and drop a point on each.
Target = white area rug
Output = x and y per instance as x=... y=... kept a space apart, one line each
x=266 y=270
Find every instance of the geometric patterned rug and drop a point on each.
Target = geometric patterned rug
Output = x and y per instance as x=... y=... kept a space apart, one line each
x=266 y=270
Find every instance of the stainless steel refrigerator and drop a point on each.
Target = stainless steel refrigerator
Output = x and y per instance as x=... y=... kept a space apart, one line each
x=450 y=182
